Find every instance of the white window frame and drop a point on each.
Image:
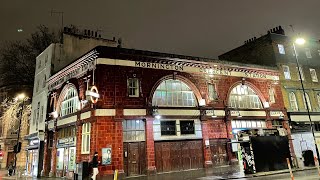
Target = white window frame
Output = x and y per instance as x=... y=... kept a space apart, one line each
x=85 y=138
x=308 y=53
x=243 y=96
x=212 y=93
x=301 y=72
x=174 y=93
x=286 y=72
x=313 y=74
x=281 y=49
x=308 y=102
x=70 y=103
x=293 y=101
x=133 y=87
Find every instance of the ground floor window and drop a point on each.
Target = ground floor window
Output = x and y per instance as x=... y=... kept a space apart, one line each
x=133 y=130
x=187 y=127
x=168 y=127
x=85 y=145
x=248 y=124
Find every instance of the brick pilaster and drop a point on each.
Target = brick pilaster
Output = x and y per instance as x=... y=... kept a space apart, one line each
x=206 y=149
x=151 y=164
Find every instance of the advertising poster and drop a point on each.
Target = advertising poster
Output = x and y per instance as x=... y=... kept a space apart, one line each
x=106 y=156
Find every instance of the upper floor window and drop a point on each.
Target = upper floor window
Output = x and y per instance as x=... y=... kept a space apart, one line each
x=212 y=93
x=286 y=72
x=46 y=59
x=41 y=114
x=39 y=64
x=44 y=81
x=70 y=102
x=37 y=86
x=242 y=96
x=319 y=52
x=173 y=93
x=281 y=49
x=133 y=87
x=308 y=53
x=313 y=74
x=271 y=95
x=318 y=99
x=308 y=102
x=301 y=73
x=293 y=101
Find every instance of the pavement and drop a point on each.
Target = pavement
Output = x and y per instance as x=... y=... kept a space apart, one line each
x=217 y=173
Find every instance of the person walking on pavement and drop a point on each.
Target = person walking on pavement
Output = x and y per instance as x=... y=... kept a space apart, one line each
x=95 y=164
x=10 y=169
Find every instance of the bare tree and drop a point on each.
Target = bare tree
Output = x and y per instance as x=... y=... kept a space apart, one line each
x=18 y=58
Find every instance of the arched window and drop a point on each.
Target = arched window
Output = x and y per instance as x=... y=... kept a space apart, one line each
x=293 y=101
x=70 y=102
x=308 y=102
x=242 y=96
x=173 y=93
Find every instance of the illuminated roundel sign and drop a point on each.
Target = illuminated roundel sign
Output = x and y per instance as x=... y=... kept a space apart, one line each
x=94 y=94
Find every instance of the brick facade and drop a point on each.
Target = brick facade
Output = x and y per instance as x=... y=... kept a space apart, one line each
x=107 y=130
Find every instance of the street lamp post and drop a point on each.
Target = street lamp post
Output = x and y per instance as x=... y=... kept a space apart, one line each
x=19 y=97
x=301 y=41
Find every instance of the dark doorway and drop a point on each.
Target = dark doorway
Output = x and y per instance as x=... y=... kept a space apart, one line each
x=10 y=158
x=270 y=152
x=134 y=158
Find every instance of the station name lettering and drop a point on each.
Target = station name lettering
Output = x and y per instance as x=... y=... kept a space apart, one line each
x=158 y=66
x=255 y=75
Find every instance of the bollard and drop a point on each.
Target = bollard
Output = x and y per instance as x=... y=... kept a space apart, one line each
x=115 y=175
x=317 y=164
x=289 y=166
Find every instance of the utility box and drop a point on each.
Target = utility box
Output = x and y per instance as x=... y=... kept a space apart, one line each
x=83 y=171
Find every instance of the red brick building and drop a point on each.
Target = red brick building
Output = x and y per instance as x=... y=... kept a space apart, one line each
x=156 y=112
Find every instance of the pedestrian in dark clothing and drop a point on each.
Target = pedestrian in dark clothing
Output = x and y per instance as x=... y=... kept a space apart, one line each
x=10 y=169
x=94 y=164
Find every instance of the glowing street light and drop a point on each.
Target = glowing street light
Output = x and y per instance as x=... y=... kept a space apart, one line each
x=300 y=41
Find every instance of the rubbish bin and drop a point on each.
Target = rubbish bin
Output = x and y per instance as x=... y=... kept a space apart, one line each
x=308 y=158
x=83 y=171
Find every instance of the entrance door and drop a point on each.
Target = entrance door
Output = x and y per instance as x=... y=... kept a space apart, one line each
x=219 y=153
x=134 y=158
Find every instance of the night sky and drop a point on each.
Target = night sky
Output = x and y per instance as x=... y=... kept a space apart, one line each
x=205 y=28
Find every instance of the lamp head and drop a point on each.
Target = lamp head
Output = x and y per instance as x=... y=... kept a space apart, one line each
x=300 y=41
x=20 y=96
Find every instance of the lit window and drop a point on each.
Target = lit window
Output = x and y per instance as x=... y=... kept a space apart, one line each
x=212 y=92
x=313 y=75
x=301 y=73
x=168 y=128
x=281 y=49
x=293 y=101
x=308 y=102
x=85 y=145
x=242 y=96
x=173 y=93
x=271 y=95
x=70 y=102
x=133 y=130
x=133 y=87
x=308 y=53
x=286 y=72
